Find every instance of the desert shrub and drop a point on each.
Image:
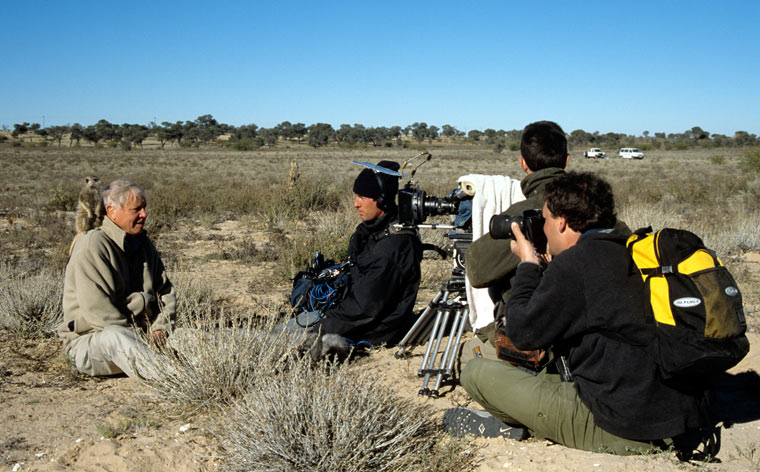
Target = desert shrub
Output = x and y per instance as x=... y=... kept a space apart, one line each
x=331 y=417
x=718 y=159
x=194 y=298
x=245 y=144
x=724 y=234
x=729 y=235
x=326 y=232
x=247 y=251
x=308 y=196
x=751 y=160
x=30 y=304
x=173 y=201
x=16 y=143
x=296 y=253
x=211 y=359
x=63 y=199
x=753 y=191
x=239 y=198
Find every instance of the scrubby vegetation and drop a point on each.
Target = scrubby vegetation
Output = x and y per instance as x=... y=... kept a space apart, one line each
x=268 y=405
x=30 y=304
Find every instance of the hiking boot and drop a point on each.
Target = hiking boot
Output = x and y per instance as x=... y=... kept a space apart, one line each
x=463 y=421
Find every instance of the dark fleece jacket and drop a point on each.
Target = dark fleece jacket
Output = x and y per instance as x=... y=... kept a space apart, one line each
x=385 y=276
x=587 y=301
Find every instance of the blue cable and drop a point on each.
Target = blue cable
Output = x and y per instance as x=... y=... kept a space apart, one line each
x=358 y=344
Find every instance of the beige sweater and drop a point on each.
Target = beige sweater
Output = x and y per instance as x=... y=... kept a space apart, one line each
x=113 y=279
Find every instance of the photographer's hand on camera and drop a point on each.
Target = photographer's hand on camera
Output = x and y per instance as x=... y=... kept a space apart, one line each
x=523 y=248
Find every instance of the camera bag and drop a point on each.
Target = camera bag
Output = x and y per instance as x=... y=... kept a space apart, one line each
x=533 y=360
x=695 y=303
x=320 y=286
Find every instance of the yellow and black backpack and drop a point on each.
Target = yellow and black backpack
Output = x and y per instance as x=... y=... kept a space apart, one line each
x=695 y=303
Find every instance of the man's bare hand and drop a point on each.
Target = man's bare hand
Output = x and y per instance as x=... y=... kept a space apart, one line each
x=521 y=247
x=157 y=337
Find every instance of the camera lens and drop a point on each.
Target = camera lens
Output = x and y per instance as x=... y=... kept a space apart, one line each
x=500 y=226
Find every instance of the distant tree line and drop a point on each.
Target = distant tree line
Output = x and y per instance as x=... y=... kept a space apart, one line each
x=206 y=130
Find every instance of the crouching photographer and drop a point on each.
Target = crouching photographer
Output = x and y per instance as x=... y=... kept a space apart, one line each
x=583 y=305
x=377 y=302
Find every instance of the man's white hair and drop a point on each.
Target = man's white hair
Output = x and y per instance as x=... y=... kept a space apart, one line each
x=116 y=194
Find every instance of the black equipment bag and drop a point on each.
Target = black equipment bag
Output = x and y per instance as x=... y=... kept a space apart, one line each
x=320 y=286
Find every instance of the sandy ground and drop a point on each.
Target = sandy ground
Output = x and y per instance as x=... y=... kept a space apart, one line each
x=53 y=419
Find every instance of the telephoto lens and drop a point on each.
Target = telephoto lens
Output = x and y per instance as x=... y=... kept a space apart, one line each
x=501 y=226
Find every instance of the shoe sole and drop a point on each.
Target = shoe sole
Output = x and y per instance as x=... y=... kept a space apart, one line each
x=461 y=422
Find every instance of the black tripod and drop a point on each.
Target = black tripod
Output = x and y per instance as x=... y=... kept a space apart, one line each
x=449 y=304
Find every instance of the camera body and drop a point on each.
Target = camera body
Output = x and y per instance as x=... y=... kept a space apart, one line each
x=415 y=205
x=531 y=223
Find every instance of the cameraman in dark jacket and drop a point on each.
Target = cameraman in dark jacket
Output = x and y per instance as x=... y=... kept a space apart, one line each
x=385 y=267
x=584 y=304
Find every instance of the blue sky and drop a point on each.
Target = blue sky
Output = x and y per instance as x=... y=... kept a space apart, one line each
x=597 y=66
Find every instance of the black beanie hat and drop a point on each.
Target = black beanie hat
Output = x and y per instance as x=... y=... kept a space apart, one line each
x=367 y=185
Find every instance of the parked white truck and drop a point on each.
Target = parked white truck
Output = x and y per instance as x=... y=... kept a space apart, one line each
x=595 y=153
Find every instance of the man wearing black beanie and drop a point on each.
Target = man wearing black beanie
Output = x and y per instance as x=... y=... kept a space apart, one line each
x=385 y=266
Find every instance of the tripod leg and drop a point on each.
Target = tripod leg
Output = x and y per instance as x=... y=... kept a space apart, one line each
x=412 y=334
x=449 y=355
x=431 y=341
x=432 y=333
x=438 y=338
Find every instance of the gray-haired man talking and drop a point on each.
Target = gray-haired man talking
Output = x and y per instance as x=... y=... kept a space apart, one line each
x=115 y=284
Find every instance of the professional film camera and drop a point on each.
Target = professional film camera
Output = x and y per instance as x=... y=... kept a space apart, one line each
x=447 y=313
x=415 y=205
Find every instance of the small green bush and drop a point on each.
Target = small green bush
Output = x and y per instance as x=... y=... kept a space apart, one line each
x=64 y=200
x=717 y=159
x=246 y=144
x=751 y=160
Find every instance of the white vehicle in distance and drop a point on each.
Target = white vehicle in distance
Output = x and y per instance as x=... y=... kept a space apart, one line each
x=595 y=153
x=630 y=153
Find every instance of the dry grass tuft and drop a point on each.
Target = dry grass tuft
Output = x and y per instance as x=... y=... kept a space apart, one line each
x=332 y=417
x=30 y=305
x=213 y=358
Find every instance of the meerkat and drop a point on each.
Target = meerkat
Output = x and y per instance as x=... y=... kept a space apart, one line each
x=90 y=210
x=293 y=175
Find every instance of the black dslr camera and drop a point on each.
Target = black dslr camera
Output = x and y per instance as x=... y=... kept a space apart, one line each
x=415 y=205
x=531 y=224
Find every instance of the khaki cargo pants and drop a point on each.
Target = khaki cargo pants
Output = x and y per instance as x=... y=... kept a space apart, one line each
x=113 y=350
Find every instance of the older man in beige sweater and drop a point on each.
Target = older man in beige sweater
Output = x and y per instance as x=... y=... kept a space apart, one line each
x=115 y=286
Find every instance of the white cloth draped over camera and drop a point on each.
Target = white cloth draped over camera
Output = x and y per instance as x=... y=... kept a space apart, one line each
x=493 y=195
